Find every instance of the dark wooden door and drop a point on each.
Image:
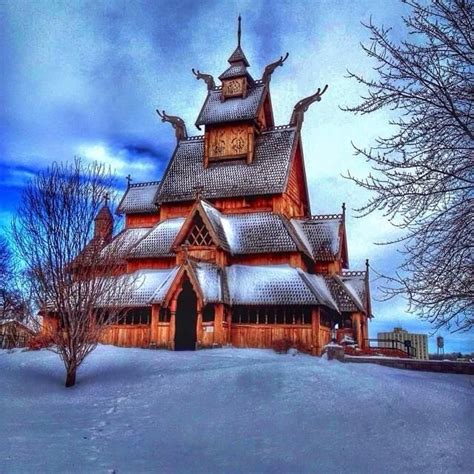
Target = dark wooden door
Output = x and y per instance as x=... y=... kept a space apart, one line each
x=186 y=319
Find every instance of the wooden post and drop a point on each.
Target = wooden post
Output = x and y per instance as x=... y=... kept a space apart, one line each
x=219 y=337
x=365 y=331
x=357 y=329
x=316 y=331
x=155 y=311
x=229 y=327
x=199 y=329
x=172 y=323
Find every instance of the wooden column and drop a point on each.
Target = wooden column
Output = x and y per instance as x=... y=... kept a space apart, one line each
x=172 y=323
x=229 y=326
x=219 y=336
x=316 y=331
x=199 y=329
x=155 y=311
x=357 y=329
x=365 y=331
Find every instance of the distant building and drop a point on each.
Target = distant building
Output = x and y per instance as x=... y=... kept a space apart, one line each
x=14 y=334
x=419 y=342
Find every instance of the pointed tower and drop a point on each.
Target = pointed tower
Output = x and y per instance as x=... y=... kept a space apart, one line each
x=236 y=79
x=235 y=113
x=104 y=222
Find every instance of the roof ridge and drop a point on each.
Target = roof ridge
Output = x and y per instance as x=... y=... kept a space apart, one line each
x=321 y=217
x=353 y=273
x=279 y=127
x=193 y=138
x=144 y=184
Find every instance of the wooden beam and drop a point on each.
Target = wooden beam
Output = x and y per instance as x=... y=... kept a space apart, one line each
x=316 y=331
x=155 y=312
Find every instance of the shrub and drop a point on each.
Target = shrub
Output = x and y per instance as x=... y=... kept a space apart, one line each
x=281 y=346
x=41 y=341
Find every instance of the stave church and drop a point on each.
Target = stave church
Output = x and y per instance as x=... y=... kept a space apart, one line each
x=225 y=245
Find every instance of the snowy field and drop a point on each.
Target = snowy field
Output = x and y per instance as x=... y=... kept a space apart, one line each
x=230 y=410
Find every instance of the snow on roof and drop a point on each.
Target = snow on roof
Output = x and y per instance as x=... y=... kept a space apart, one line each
x=356 y=284
x=126 y=240
x=258 y=232
x=267 y=174
x=232 y=109
x=139 y=198
x=321 y=234
x=348 y=290
x=268 y=285
x=252 y=285
x=144 y=288
x=319 y=285
x=210 y=281
x=159 y=240
x=164 y=285
x=217 y=221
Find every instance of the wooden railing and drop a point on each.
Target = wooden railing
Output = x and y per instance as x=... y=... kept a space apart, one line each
x=391 y=347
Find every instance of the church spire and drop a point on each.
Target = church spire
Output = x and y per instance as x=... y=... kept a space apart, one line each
x=239 y=32
x=238 y=56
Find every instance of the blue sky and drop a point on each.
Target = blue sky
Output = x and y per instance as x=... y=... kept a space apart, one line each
x=83 y=78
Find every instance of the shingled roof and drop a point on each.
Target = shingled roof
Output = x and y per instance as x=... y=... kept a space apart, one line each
x=322 y=234
x=139 y=198
x=157 y=243
x=123 y=243
x=267 y=174
x=238 y=56
x=255 y=285
x=268 y=285
x=232 y=109
x=349 y=290
x=356 y=284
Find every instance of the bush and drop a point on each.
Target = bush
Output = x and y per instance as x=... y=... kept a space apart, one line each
x=41 y=341
x=281 y=346
x=301 y=347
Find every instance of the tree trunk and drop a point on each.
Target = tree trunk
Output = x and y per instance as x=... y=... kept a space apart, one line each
x=71 y=376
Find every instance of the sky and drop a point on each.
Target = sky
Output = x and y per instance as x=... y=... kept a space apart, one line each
x=83 y=78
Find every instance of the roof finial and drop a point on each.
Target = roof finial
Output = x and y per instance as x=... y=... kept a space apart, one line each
x=106 y=199
x=239 y=31
x=129 y=180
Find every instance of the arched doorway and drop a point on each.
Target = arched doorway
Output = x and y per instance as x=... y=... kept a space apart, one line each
x=186 y=318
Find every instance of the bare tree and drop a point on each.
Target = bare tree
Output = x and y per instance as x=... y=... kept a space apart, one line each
x=6 y=263
x=423 y=172
x=63 y=232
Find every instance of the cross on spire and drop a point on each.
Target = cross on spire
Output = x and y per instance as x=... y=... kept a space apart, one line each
x=129 y=180
x=106 y=199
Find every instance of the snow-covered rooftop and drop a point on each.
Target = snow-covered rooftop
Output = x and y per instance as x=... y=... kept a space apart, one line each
x=139 y=198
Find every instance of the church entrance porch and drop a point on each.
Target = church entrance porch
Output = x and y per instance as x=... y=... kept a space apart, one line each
x=186 y=319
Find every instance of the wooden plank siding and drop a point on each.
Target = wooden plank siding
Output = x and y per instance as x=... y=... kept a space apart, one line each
x=150 y=263
x=263 y=336
x=141 y=220
x=127 y=335
x=218 y=334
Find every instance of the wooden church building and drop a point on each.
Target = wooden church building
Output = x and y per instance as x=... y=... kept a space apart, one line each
x=225 y=246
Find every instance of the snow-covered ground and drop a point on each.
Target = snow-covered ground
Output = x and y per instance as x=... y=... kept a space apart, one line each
x=230 y=410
